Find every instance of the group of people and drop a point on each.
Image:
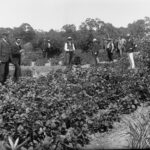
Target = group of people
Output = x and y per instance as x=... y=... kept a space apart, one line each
x=119 y=45
x=10 y=53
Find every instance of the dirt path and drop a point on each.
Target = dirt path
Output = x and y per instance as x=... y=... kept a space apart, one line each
x=118 y=137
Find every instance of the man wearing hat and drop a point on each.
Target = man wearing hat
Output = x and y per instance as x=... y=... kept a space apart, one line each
x=16 y=57
x=109 y=49
x=5 y=57
x=69 y=51
x=130 y=46
x=46 y=47
x=48 y=50
x=95 y=51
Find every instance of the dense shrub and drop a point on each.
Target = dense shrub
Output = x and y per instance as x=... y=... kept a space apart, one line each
x=67 y=106
x=41 y=62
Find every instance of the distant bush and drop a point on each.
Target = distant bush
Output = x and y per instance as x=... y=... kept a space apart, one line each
x=26 y=73
x=29 y=56
x=41 y=62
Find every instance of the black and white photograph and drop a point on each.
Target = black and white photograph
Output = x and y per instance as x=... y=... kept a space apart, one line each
x=74 y=74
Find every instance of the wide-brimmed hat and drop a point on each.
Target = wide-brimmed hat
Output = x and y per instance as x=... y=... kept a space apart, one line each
x=69 y=38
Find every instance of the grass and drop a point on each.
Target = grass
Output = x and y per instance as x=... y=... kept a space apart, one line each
x=139 y=131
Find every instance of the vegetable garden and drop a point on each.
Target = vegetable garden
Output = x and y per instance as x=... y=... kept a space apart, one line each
x=64 y=108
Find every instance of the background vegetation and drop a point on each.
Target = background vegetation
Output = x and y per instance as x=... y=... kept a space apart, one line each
x=82 y=36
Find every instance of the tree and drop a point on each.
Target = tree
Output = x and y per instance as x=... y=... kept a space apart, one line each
x=91 y=24
x=26 y=32
x=69 y=28
x=137 y=28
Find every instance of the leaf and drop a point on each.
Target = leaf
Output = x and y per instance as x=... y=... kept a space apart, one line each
x=16 y=142
x=11 y=142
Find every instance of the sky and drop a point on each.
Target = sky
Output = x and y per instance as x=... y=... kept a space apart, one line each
x=53 y=14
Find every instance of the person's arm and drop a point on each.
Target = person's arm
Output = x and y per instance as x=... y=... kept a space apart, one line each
x=112 y=47
x=73 y=47
x=0 y=52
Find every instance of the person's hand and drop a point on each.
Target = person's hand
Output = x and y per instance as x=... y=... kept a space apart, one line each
x=22 y=51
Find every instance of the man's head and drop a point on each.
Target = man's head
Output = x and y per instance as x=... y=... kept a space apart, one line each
x=18 y=40
x=128 y=35
x=69 y=38
x=48 y=41
x=5 y=35
x=110 y=40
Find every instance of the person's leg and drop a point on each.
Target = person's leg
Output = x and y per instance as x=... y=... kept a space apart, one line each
x=2 y=73
x=111 y=56
x=70 y=57
x=6 y=70
x=95 y=61
x=108 y=54
x=17 y=72
x=129 y=60
x=66 y=58
x=121 y=52
x=132 y=61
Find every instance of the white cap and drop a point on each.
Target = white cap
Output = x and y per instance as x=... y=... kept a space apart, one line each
x=128 y=34
x=94 y=40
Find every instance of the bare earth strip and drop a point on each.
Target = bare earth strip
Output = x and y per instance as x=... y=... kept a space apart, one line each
x=118 y=137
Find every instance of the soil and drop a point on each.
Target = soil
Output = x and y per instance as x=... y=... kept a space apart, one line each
x=117 y=138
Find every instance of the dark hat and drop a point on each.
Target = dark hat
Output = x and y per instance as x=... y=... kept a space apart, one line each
x=17 y=37
x=109 y=39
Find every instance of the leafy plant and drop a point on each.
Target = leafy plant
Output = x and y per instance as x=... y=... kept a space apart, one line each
x=139 y=131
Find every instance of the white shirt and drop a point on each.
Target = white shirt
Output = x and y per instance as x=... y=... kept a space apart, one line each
x=66 y=47
x=49 y=45
x=5 y=41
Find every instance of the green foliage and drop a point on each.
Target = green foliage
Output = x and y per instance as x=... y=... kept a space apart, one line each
x=139 y=132
x=65 y=107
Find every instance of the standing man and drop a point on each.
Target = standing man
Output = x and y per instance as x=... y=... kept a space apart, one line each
x=48 y=49
x=16 y=58
x=44 y=46
x=121 y=46
x=130 y=46
x=95 y=51
x=69 y=51
x=109 y=49
x=5 y=57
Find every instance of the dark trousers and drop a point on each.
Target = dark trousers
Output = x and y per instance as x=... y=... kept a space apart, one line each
x=17 y=72
x=95 y=59
x=68 y=57
x=4 y=71
x=109 y=54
